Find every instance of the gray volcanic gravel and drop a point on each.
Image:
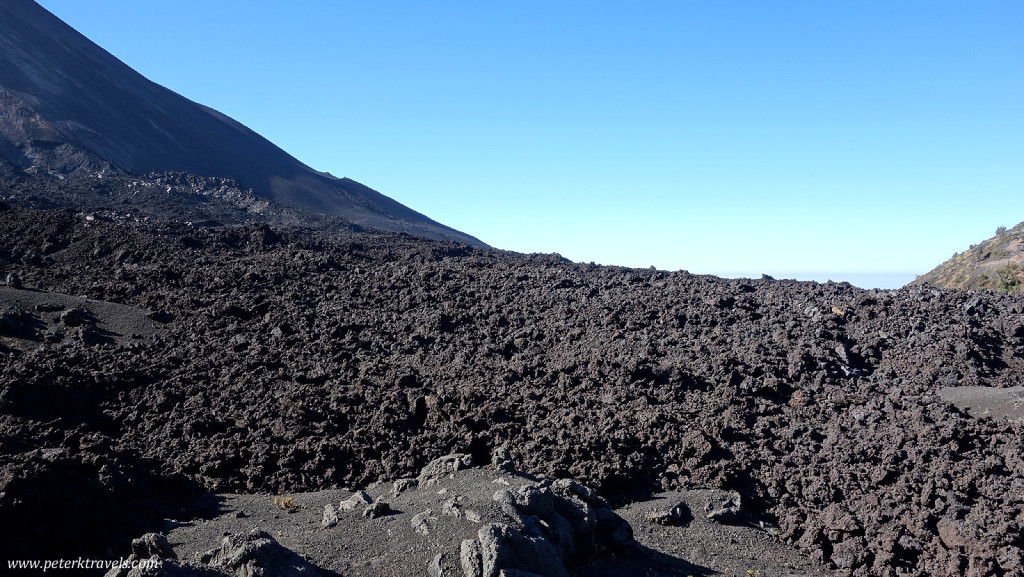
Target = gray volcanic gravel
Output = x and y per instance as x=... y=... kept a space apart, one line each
x=427 y=521
x=292 y=363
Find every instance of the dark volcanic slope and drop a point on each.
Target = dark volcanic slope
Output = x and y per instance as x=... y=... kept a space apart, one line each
x=66 y=104
x=296 y=364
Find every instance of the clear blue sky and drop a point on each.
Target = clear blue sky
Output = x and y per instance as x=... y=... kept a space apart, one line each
x=732 y=138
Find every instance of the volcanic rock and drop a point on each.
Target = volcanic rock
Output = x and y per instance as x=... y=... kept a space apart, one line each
x=401 y=352
x=14 y=280
x=724 y=506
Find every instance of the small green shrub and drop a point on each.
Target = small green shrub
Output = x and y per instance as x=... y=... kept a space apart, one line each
x=1009 y=278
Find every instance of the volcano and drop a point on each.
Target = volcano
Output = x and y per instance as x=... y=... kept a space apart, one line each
x=68 y=106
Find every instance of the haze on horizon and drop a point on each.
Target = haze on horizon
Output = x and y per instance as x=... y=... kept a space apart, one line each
x=865 y=142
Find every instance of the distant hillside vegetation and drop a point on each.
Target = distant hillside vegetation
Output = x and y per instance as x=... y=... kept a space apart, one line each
x=996 y=264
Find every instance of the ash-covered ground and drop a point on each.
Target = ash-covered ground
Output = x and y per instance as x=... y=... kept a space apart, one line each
x=276 y=362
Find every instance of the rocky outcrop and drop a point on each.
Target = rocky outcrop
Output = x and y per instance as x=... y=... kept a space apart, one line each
x=534 y=527
x=552 y=528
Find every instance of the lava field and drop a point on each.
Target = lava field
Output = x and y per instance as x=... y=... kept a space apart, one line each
x=286 y=362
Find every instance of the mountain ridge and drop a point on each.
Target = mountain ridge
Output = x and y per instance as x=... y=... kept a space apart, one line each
x=59 y=88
